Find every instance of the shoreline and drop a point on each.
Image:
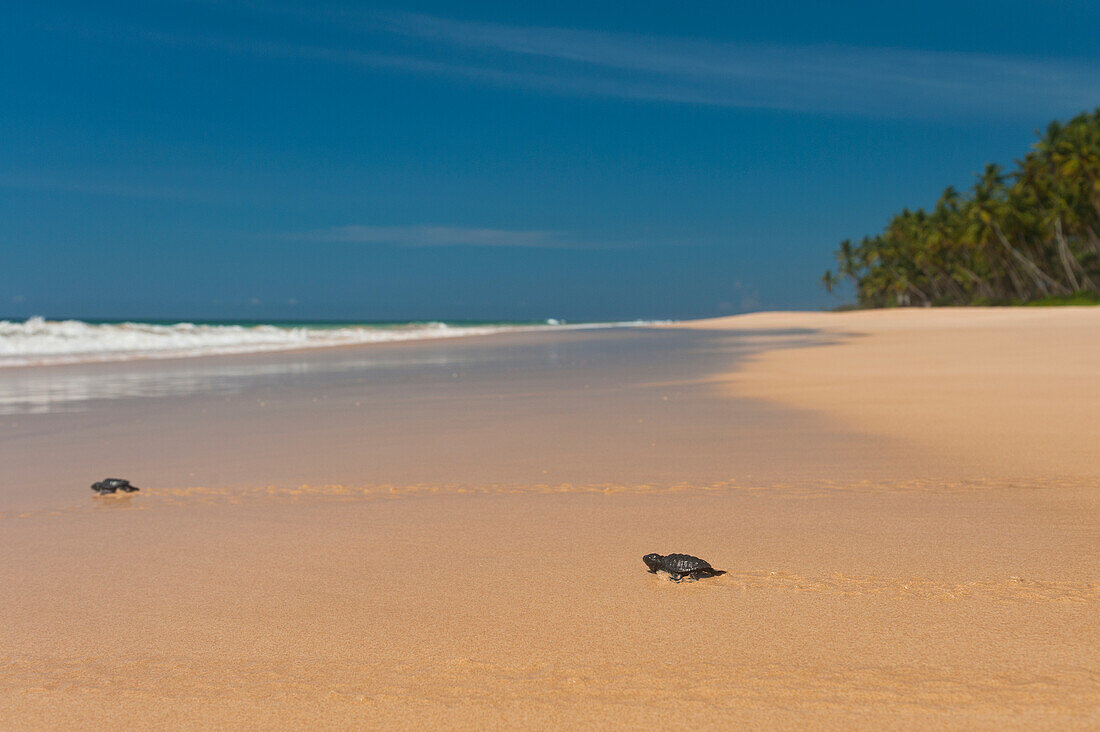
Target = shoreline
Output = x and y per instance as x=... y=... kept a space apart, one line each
x=353 y=336
x=752 y=321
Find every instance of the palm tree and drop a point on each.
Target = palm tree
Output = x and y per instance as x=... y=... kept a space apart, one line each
x=1015 y=236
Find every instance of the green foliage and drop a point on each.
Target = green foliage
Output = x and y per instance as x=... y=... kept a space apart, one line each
x=1028 y=236
x=1081 y=298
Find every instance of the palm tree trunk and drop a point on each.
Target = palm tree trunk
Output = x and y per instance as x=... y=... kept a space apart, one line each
x=1064 y=255
x=950 y=287
x=1043 y=281
x=1094 y=240
x=1017 y=283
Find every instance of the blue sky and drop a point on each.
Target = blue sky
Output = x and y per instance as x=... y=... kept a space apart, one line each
x=218 y=159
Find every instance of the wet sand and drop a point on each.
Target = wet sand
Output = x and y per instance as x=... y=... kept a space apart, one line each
x=451 y=533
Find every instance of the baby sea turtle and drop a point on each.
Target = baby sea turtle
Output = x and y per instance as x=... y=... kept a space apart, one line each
x=110 y=485
x=680 y=566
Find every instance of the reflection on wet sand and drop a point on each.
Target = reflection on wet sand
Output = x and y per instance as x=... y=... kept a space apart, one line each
x=63 y=389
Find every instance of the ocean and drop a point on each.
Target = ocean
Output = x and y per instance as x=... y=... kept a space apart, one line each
x=38 y=341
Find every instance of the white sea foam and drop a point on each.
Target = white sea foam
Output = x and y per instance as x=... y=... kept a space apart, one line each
x=37 y=341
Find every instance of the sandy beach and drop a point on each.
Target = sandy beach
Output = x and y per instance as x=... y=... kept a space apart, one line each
x=450 y=534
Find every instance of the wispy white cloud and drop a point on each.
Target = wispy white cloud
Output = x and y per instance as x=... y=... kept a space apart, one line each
x=438 y=236
x=807 y=78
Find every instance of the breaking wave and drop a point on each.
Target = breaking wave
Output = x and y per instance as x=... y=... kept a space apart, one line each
x=37 y=341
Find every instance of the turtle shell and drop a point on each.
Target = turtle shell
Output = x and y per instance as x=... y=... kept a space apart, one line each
x=110 y=485
x=683 y=563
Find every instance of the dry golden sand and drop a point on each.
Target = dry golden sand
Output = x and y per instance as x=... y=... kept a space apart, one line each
x=996 y=391
x=963 y=592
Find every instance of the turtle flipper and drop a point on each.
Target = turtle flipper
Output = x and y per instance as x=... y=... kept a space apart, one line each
x=703 y=573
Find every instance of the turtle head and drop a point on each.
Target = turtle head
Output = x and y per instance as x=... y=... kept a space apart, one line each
x=653 y=561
